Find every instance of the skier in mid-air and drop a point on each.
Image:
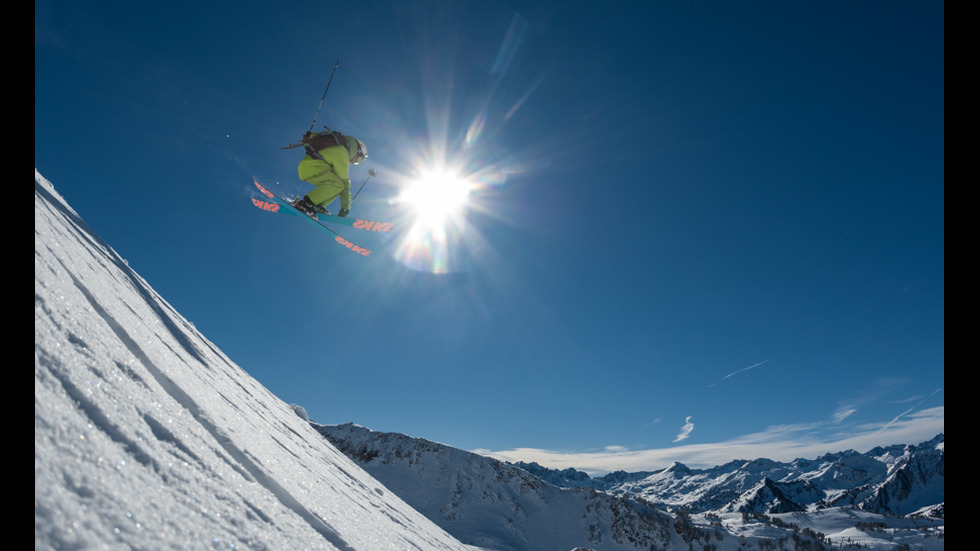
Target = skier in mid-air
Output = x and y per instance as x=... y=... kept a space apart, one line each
x=326 y=166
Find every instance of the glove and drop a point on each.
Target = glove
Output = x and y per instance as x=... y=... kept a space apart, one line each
x=343 y=213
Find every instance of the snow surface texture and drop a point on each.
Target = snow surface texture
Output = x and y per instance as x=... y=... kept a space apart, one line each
x=146 y=436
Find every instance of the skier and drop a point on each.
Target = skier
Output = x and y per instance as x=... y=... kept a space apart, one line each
x=325 y=165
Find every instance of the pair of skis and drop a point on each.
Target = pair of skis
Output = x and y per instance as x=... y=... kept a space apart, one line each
x=276 y=203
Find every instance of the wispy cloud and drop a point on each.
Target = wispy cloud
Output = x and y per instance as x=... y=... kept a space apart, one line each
x=843 y=412
x=778 y=442
x=910 y=410
x=880 y=392
x=685 y=430
x=734 y=373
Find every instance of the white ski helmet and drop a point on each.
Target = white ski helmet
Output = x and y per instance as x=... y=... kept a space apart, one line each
x=360 y=154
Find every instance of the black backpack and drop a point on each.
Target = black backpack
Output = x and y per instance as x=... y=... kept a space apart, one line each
x=315 y=141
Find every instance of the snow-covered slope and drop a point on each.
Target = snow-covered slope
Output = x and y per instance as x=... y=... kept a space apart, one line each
x=146 y=436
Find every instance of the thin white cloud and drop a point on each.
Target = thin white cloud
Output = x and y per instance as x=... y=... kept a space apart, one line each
x=910 y=410
x=685 y=430
x=779 y=442
x=734 y=373
x=843 y=412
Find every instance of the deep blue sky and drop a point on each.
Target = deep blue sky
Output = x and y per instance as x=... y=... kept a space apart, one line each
x=696 y=224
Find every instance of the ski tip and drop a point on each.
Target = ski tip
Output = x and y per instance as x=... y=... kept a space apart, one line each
x=262 y=188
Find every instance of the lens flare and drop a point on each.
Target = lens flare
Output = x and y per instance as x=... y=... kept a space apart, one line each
x=436 y=197
x=435 y=203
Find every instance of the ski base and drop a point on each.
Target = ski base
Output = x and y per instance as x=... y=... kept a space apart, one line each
x=281 y=205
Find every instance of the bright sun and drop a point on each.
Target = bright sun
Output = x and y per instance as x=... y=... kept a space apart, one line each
x=436 y=203
x=436 y=197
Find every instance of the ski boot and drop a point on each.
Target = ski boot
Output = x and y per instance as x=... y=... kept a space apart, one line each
x=305 y=206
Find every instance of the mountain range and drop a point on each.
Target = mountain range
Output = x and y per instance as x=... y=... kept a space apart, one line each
x=498 y=505
x=901 y=480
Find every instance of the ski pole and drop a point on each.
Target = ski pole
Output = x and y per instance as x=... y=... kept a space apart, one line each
x=317 y=114
x=371 y=173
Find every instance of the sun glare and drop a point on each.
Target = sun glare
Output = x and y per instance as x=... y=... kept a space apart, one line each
x=436 y=197
x=435 y=204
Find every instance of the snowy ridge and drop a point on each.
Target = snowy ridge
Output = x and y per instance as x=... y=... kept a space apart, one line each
x=898 y=480
x=146 y=436
x=488 y=503
x=913 y=482
x=491 y=504
x=740 y=505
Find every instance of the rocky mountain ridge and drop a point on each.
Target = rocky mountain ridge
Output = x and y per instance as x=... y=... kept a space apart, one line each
x=496 y=505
